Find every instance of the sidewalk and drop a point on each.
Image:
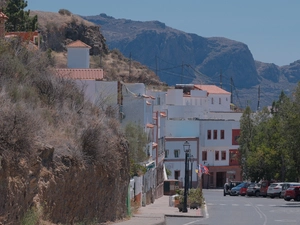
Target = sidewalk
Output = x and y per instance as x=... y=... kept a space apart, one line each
x=155 y=213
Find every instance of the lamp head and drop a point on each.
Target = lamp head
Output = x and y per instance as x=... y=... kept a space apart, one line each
x=186 y=146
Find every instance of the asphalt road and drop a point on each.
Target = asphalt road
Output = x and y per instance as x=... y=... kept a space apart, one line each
x=240 y=210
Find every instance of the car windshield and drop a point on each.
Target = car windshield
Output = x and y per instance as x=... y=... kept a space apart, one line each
x=273 y=185
x=241 y=185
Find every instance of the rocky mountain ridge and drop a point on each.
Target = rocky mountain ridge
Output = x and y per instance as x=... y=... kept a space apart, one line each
x=159 y=47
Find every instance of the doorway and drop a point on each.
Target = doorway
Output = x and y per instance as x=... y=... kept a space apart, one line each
x=221 y=179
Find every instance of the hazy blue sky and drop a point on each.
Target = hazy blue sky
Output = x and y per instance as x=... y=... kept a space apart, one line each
x=270 y=28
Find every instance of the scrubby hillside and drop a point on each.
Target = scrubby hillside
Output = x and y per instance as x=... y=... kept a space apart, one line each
x=61 y=159
x=59 y=29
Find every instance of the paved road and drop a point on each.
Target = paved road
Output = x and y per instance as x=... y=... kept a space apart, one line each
x=231 y=210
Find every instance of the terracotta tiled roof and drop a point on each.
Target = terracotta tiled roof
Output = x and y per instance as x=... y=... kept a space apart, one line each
x=211 y=89
x=81 y=74
x=163 y=114
x=25 y=36
x=78 y=44
x=3 y=16
x=149 y=125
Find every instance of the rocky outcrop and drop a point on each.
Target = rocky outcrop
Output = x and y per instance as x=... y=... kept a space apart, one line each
x=61 y=190
x=58 y=30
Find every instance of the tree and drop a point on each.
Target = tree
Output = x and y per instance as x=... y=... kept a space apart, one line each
x=18 y=18
x=137 y=140
x=245 y=139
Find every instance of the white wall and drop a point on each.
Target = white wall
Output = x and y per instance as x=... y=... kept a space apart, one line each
x=216 y=105
x=78 y=58
x=180 y=163
x=182 y=128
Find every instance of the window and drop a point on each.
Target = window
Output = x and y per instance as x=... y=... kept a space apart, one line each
x=222 y=134
x=158 y=100
x=209 y=134
x=219 y=100
x=223 y=155
x=204 y=155
x=166 y=153
x=177 y=174
x=217 y=155
x=215 y=134
x=176 y=153
x=212 y=100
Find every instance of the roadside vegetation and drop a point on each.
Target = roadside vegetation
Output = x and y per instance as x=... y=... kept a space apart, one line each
x=270 y=140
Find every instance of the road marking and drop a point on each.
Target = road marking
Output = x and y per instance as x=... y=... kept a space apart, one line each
x=286 y=221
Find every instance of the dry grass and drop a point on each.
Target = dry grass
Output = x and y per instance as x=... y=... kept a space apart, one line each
x=60 y=20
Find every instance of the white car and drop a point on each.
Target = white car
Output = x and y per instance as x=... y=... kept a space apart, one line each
x=274 y=190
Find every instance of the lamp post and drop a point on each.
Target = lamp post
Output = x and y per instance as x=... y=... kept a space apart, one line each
x=186 y=148
x=191 y=159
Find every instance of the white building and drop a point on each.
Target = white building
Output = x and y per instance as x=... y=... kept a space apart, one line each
x=201 y=115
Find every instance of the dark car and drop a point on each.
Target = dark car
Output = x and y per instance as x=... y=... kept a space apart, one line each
x=253 y=189
x=228 y=186
x=236 y=190
x=292 y=193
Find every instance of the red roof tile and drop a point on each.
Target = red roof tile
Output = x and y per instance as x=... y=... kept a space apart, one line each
x=81 y=74
x=211 y=89
x=78 y=44
x=149 y=125
x=25 y=36
x=3 y=16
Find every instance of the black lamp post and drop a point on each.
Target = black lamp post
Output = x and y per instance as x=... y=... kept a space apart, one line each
x=186 y=148
x=191 y=159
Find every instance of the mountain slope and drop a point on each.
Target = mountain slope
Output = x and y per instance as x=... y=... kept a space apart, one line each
x=197 y=59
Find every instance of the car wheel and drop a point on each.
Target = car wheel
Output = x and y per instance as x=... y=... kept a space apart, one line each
x=272 y=197
x=257 y=194
x=287 y=199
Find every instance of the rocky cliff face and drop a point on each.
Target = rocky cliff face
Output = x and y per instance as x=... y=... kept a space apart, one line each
x=58 y=30
x=161 y=48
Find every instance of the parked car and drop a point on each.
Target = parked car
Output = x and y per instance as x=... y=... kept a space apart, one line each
x=243 y=189
x=274 y=190
x=264 y=187
x=236 y=190
x=228 y=186
x=292 y=193
x=286 y=185
x=253 y=189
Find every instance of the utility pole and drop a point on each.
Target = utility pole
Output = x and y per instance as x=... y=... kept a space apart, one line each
x=181 y=80
x=156 y=71
x=258 y=107
x=231 y=84
x=221 y=78
x=129 y=65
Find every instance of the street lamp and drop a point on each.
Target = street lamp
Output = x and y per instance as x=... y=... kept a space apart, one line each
x=186 y=148
x=191 y=159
